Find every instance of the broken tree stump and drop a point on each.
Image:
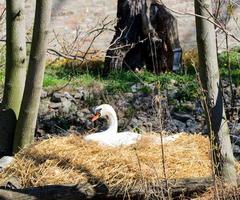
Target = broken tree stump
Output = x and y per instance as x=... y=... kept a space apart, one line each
x=146 y=35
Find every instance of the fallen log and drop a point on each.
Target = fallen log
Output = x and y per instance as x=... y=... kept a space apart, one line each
x=176 y=188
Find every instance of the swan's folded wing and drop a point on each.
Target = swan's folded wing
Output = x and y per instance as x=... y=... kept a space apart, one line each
x=114 y=140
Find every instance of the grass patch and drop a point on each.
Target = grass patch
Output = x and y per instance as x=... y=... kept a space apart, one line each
x=234 y=57
x=120 y=80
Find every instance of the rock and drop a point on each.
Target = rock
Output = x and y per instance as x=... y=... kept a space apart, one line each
x=224 y=83
x=44 y=107
x=189 y=106
x=190 y=122
x=84 y=94
x=120 y=114
x=55 y=105
x=199 y=118
x=69 y=97
x=172 y=93
x=182 y=116
x=136 y=123
x=236 y=151
x=43 y=94
x=80 y=114
x=88 y=124
x=12 y=183
x=5 y=162
x=191 y=126
x=171 y=126
x=180 y=125
x=65 y=107
x=129 y=95
x=78 y=95
x=235 y=130
x=85 y=111
x=148 y=127
x=205 y=130
x=50 y=115
x=173 y=82
x=235 y=139
x=39 y=133
x=56 y=97
x=136 y=87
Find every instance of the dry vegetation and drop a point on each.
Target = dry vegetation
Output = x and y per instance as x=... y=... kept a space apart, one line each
x=72 y=160
x=66 y=160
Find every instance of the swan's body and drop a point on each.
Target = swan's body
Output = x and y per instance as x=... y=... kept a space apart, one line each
x=111 y=137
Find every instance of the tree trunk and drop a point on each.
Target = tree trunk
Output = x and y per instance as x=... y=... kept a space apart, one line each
x=146 y=34
x=15 y=72
x=29 y=110
x=209 y=75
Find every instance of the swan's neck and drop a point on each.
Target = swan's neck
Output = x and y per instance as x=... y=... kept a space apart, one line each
x=112 y=122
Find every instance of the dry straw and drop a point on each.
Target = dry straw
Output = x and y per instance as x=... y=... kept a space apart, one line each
x=64 y=160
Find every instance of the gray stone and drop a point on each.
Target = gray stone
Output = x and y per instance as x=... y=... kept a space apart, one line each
x=12 y=183
x=56 y=97
x=80 y=114
x=199 y=118
x=84 y=94
x=43 y=94
x=182 y=116
x=120 y=114
x=136 y=87
x=136 y=123
x=65 y=108
x=55 y=105
x=172 y=93
x=85 y=111
x=236 y=151
x=180 y=125
x=6 y=161
x=129 y=95
x=44 y=107
x=69 y=97
x=78 y=95
x=50 y=115
x=235 y=130
x=190 y=123
x=190 y=106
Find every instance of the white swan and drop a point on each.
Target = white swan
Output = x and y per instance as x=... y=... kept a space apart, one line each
x=111 y=137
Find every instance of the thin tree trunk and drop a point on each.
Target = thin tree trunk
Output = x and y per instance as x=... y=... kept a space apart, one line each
x=210 y=78
x=29 y=110
x=15 y=71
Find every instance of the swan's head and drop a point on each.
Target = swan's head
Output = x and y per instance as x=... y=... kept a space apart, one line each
x=104 y=110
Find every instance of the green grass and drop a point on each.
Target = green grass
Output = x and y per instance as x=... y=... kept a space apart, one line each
x=235 y=74
x=61 y=73
x=121 y=81
x=234 y=56
x=234 y=59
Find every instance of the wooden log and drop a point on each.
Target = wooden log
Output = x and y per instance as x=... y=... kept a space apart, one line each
x=177 y=188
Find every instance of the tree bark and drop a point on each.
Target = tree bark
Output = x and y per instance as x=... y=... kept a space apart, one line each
x=29 y=110
x=178 y=189
x=146 y=34
x=209 y=74
x=15 y=72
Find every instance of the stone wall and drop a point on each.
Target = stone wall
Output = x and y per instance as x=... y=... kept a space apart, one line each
x=84 y=15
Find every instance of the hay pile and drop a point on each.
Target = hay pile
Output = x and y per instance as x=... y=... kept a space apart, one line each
x=70 y=159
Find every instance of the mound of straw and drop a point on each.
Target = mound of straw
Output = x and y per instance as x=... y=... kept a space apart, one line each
x=64 y=160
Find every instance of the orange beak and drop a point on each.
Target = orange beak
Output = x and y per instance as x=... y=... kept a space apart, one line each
x=95 y=117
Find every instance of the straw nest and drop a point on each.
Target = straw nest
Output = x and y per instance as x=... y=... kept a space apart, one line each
x=64 y=160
